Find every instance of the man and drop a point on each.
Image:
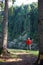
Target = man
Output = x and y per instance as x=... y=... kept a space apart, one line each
x=29 y=42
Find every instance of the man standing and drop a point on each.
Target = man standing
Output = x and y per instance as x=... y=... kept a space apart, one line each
x=29 y=42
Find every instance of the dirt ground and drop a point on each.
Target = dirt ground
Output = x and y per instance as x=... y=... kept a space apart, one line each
x=23 y=59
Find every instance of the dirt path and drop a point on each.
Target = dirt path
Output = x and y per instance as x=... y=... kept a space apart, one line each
x=23 y=59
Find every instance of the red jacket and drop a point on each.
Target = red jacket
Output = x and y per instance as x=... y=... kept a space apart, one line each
x=28 y=42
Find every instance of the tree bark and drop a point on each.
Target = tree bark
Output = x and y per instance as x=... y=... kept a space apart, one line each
x=40 y=33
x=5 y=27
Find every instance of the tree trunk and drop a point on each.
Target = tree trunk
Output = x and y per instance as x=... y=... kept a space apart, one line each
x=5 y=27
x=40 y=40
x=40 y=29
x=40 y=33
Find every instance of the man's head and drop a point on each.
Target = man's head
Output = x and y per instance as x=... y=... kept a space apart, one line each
x=28 y=38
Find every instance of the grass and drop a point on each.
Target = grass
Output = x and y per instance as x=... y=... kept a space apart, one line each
x=14 y=51
x=22 y=51
x=14 y=56
x=1 y=60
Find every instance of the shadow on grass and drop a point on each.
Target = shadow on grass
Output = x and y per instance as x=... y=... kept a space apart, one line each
x=26 y=60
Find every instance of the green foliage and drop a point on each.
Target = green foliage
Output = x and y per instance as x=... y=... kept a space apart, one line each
x=11 y=11
x=13 y=1
x=23 y=20
x=34 y=21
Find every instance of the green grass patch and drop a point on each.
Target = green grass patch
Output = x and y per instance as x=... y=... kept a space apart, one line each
x=14 y=56
x=1 y=60
x=16 y=50
x=32 y=52
x=22 y=51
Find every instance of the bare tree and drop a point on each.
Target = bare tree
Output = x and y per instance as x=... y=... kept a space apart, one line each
x=5 y=27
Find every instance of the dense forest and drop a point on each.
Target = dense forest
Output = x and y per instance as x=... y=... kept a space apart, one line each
x=22 y=23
